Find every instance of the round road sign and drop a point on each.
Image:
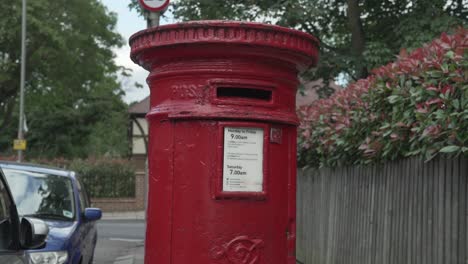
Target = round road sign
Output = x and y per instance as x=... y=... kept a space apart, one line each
x=154 y=5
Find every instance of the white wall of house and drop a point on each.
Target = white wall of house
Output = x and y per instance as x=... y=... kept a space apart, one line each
x=138 y=143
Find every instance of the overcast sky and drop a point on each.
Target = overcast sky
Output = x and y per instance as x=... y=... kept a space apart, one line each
x=129 y=22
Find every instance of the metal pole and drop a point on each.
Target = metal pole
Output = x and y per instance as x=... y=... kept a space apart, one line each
x=23 y=77
x=152 y=19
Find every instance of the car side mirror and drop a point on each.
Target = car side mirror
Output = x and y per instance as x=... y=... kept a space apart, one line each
x=92 y=214
x=33 y=233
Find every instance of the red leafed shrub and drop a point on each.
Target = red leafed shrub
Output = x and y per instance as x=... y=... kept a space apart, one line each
x=417 y=105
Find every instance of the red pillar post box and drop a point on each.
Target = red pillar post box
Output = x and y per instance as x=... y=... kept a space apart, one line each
x=222 y=140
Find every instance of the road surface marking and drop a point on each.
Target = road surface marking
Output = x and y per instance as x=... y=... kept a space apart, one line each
x=126 y=240
x=124 y=260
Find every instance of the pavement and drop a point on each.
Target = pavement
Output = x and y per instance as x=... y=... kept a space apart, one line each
x=121 y=238
x=139 y=215
x=136 y=258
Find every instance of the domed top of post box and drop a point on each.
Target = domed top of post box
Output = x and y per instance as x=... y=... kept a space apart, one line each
x=291 y=45
x=224 y=69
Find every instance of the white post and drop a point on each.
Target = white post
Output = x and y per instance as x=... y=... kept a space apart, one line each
x=152 y=19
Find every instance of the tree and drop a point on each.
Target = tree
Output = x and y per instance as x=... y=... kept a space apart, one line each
x=73 y=96
x=356 y=36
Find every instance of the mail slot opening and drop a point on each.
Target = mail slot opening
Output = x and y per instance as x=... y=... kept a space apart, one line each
x=243 y=93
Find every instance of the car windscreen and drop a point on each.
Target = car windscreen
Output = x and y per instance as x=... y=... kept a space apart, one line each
x=41 y=195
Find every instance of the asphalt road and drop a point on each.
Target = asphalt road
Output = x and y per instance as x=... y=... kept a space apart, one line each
x=119 y=239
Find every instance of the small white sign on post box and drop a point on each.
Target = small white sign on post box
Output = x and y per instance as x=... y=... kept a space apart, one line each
x=243 y=159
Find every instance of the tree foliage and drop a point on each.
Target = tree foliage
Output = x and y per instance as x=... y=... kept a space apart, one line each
x=355 y=35
x=415 y=106
x=106 y=178
x=73 y=99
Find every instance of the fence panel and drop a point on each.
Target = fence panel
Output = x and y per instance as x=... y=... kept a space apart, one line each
x=400 y=212
x=107 y=179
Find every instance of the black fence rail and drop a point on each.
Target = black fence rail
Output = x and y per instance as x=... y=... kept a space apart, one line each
x=107 y=179
x=400 y=212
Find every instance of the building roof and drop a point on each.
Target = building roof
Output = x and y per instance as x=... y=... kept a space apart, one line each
x=140 y=108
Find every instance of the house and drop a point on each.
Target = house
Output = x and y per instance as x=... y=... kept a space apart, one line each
x=138 y=133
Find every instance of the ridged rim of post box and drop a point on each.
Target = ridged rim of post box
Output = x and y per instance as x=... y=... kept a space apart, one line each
x=232 y=32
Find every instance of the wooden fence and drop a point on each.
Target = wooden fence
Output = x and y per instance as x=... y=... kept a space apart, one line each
x=401 y=212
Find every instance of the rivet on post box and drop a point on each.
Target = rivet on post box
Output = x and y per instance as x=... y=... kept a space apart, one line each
x=222 y=140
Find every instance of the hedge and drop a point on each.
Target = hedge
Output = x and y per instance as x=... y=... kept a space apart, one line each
x=417 y=105
x=106 y=178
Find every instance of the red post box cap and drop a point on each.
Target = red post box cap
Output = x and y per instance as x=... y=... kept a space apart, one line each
x=296 y=47
x=224 y=69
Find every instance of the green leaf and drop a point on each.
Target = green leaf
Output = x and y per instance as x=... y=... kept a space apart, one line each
x=456 y=104
x=449 y=149
x=440 y=114
x=444 y=67
x=450 y=54
x=386 y=125
x=387 y=133
x=393 y=99
x=435 y=74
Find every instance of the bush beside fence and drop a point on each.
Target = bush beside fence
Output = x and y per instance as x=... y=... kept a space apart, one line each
x=417 y=106
x=106 y=178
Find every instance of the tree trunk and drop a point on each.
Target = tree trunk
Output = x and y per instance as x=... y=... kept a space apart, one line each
x=358 y=41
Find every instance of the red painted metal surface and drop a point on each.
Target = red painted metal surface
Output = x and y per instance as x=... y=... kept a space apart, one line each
x=204 y=77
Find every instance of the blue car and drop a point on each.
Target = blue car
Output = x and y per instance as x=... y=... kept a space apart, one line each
x=58 y=198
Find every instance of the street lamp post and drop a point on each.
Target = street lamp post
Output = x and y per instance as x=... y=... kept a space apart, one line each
x=22 y=81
